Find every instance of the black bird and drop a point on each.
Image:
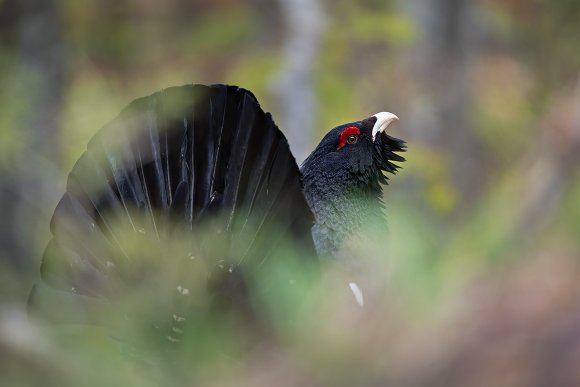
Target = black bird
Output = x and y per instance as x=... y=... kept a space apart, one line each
x=192 y=158
x=342 y=178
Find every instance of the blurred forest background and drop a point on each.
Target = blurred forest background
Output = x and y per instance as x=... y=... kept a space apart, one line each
x=484 y=247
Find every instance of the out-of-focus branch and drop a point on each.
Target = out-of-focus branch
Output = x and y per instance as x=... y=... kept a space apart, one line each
x=552 y=165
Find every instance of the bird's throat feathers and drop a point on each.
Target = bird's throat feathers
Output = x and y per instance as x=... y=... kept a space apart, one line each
x=342 y=201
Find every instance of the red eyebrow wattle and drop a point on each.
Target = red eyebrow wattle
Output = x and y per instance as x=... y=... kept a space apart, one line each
x=345 y=133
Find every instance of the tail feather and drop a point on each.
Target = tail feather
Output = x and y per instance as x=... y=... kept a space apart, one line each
x=180 y=156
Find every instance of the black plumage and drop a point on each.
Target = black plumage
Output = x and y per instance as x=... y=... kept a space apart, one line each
x=343 y=186
x=196 y=158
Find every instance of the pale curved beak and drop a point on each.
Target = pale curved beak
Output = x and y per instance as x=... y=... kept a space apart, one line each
x=384 y=119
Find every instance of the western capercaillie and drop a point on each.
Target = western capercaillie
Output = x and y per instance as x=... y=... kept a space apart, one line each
x=343 y=175
x=205 y=164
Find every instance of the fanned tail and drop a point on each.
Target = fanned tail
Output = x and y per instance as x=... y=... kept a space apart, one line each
x=180 y=162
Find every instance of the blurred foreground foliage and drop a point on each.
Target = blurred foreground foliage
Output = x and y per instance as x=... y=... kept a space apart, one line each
x=448 y=315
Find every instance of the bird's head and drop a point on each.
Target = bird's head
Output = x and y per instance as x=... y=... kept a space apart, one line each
x=356 y=154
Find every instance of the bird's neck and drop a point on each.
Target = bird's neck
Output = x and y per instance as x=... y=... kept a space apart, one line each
x=342 y=210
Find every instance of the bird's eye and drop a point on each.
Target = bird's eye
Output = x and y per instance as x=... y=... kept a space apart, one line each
x=348 y=136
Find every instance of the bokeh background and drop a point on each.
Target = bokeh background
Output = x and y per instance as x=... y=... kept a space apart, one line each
x=484 y=247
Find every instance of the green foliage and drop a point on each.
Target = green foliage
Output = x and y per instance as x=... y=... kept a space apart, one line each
x=220 y=31
x=381 y=27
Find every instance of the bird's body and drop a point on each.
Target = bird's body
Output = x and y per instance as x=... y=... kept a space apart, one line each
x=342 y=186
x=193 y=158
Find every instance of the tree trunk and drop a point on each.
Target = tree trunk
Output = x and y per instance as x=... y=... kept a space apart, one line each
x=442 y=66
x=305 y=24
x=26 y=199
